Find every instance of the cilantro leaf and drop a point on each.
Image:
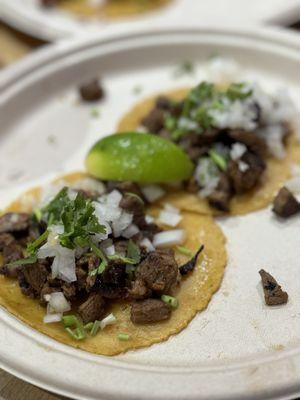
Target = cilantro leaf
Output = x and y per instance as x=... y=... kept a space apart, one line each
x=133 y=252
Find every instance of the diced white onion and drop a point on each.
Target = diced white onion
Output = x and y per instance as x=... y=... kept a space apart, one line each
x=149 y=219
x=110 y=251
x=147 y=244
x=47 y=297
x=58 y=303
x=169 y=238
x=109 y=320
x=169 y=218
x=153 y=192
x=168 y=207
x=130 y=231
x=243 y=167
x=50 y=318
x=122 y=223
x=237 y=151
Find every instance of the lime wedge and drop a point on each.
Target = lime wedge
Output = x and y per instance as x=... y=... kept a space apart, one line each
x=138 y=157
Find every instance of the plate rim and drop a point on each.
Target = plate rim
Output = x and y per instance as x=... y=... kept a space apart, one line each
x=36 y=27
x=18 y=72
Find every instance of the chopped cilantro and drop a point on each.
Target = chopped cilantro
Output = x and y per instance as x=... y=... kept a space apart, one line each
x=185 y=68
x=133 y=252
x=23 y=261
x=238 y=91
x=33 y=246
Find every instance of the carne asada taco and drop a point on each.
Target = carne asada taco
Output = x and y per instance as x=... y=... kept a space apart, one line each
x=239 y=138
x=111 y=9
x=95 y=271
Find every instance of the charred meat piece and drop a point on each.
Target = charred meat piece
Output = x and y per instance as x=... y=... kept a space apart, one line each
x=285 y=204
x=164 y=103
x=221 y=196
x=196 y=145
x=14 y=222
x=133 y=204
x=149 y=311
x=92 y=309
x=34 y=276
x=255 y=144
x=139 y=290
x=111 y=283
x=6 y=239
x=69 y=290
x=91 y=91
x=12 y=252
x=154 y=121
x=190 y=265
x=274 y=295
x=244 y=180
x=159 y=271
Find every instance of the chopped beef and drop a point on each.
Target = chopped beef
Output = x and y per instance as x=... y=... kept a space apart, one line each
x=134 y=205
x=69 y=290
x=14 y=222
x=111 y=283
x=243 y=181
x=285 y=204
x=91 y=91
x=11 y=253
x=35 y=277
x=139 y=290
x=47 y=289
x=196 y=145
x=149 y=311
x=254 y=143
x=192 y=185
x=221 y=196
x=154 y=121
x=6 y=239
x=274 y=295
x=164 y=103
x=159 y=271
x=92 y=309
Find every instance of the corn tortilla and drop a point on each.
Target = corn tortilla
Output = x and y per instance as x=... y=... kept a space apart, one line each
x=194 y=292
x=277 y=172
x=112 y=9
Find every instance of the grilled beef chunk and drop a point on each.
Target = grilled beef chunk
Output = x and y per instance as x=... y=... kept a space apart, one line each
x=69 y=290
x=6 y=239
x=164 y=103
x=134 y=205
x=14 y=222
x=92 y=309
x=285 y=204
x=154 y=121
x=91 y=91
x=221 y=196
x=84 y=266
x=33 y=277
x=111 y=283
x=242 y=181
x=274 y=295
x=139 y=290
x=254 y=143
x=11 y=253
x=158 y=271
x=149 y=311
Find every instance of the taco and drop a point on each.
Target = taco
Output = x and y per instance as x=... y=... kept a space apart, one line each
x=96 y=271
x=111 y=9
x=239 y=138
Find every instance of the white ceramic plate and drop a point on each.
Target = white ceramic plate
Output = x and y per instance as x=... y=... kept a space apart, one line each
x=27 y=16
x=238 y=348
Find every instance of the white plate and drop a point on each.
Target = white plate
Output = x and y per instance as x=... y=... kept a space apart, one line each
x=236 y=349
x=28 y=16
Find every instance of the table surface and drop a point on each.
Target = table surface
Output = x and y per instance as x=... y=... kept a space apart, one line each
x=15 y=45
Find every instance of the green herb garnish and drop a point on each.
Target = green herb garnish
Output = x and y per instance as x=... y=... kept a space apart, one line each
x=170 y=300
x=33 y=246
x=95 y=328
x=184 y=250
x=238 y=91
x=133 y=252
x=123 y=337
x=103 y=260
x=23 y=261
x=78 y=331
